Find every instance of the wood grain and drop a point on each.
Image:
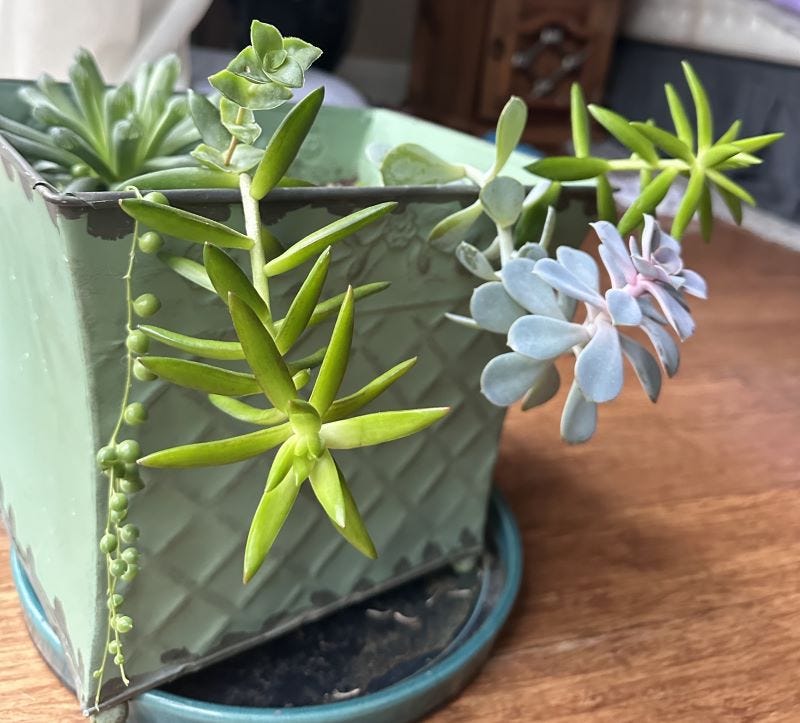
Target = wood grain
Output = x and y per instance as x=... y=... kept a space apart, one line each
x=662 y=570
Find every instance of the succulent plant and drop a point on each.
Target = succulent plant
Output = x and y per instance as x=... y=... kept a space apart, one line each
x=305 y=428
x=88 y=137
x=690 y=151
x=531 y=304
x=533 y=296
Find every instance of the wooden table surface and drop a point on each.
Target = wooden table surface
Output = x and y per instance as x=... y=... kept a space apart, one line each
x=662 y=560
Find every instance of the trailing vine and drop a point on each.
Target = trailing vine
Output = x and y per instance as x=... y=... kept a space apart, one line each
x=117 y=460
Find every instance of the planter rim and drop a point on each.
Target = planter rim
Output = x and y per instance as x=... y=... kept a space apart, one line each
x=300 y=196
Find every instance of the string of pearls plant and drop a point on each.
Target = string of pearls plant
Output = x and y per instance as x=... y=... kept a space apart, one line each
x=117 y=460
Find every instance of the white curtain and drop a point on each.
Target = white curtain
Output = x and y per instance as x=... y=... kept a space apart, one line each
x=42 y=35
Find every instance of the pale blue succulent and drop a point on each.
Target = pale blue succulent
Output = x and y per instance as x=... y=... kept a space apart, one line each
x=656 y=270
x=534 y=301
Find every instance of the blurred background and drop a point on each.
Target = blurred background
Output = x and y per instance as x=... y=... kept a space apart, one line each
x=456 y=62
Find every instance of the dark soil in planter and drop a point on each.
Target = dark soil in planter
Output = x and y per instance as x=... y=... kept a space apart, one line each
x=361 y=649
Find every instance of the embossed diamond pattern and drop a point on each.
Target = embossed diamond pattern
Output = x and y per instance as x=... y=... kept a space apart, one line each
x=418 y=495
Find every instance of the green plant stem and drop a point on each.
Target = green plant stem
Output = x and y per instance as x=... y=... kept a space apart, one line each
x=252 y=224
x=474 y=175
x=113 y=527
x=506 y=242
x=226 y=159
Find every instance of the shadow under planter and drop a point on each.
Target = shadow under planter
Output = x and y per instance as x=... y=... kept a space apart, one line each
x=62 y=316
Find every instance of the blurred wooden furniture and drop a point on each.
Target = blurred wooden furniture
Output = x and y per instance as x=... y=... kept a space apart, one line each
x=662 y=559
x=470 y=57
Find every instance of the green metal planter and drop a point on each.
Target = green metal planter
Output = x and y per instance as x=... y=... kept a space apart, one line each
x=61 y=348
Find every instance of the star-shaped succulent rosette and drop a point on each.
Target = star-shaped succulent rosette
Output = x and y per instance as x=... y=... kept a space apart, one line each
x=534 y=302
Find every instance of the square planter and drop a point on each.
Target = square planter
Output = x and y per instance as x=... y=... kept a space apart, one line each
x=62 y=315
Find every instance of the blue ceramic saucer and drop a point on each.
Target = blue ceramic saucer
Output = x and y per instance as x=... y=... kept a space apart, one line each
x=430 y=681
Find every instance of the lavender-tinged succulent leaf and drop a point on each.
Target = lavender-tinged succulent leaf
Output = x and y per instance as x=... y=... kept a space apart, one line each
x=543 y=389
x=561 y=279
x=646 y=367
x=651 y=237
x=665 y=346
x=650 y=270
x=677 y=315
x=579 y=418
x=694 y=284
x=543 y=338
x=507 y=378
x=568 y=305
x=502 y=200
x=616 y=272
x=662 y=240
x=598 y=369
x=649 y=309
x=668 y=259
x=475 y=262
x=616 y=252
x=493 y=309
x=532 y=251
x=623 y=308
x=580 y=264
x=529 y=290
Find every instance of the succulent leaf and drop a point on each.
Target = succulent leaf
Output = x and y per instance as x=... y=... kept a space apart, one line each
x=543 y=338
x=493 y=309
